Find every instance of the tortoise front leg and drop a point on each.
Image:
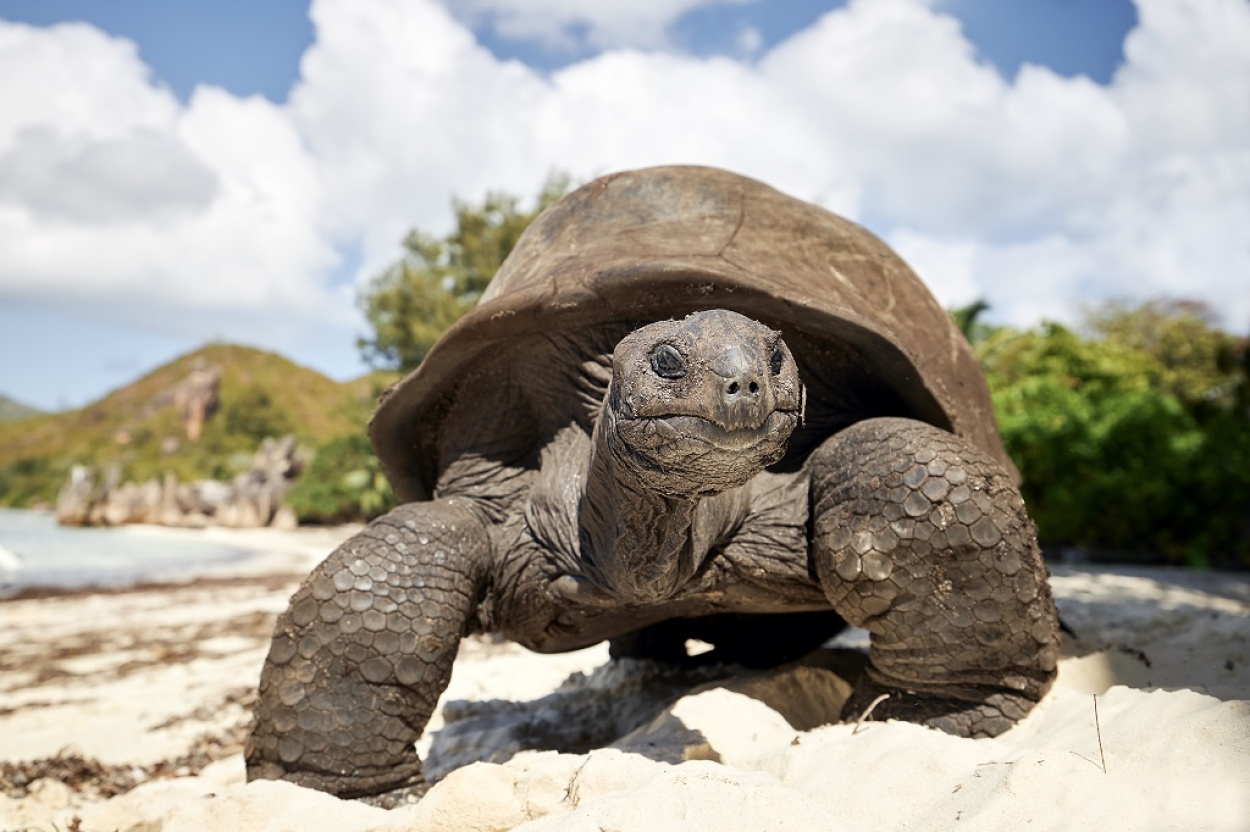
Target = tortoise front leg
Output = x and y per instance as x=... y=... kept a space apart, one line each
x=923 y=540
x=364 y=650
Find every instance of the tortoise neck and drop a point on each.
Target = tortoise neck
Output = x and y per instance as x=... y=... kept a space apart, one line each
x=634 y=524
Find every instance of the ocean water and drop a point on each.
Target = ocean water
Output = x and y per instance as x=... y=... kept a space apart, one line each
x=36 y=552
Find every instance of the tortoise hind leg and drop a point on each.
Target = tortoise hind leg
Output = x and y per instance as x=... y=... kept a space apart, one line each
x=364 y=650
x=923 y=540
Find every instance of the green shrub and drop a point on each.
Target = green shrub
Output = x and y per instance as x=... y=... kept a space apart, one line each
x=342 y=483
x=1137 y=447
x=32 y=480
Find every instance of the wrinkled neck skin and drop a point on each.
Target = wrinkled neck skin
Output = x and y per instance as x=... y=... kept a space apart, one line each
x=694 y=409
x=635 y=523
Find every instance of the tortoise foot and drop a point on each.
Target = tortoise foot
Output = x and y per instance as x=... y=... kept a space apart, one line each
x=997 y=712
x=396 y=798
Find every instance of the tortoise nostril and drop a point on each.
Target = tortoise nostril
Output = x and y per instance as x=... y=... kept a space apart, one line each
x=742 y=388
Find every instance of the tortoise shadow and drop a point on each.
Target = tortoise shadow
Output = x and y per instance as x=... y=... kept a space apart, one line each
x=627 y=704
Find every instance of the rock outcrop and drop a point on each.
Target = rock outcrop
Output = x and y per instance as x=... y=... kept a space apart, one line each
x=253 y=498
x=196 y=398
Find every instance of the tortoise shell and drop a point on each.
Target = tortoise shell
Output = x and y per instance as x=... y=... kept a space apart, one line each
x=645 y=245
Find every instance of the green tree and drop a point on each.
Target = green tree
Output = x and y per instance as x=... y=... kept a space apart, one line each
x=413 y=302
x=30 y=480
x=1196 y=362
x=968 y=320
x=343 y=482
x=253 y=415
x=1123 y=446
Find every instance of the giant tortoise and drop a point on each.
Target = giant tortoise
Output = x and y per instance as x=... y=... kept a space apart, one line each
x=687 y=406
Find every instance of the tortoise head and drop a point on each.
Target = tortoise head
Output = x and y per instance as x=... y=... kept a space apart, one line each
x=703 y=404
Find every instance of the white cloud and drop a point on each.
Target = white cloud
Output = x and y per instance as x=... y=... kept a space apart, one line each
x=120 y=202
x=81 y=80
x=1036 y=193
x=401 y=110
x=1044 y=191
x=418 y=111
x=749 y=41
x=148 y=175
x=1185 y=85
x=948 y=267
x=1028 y=192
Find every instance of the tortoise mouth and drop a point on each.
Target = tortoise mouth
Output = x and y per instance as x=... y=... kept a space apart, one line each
x=772 y=432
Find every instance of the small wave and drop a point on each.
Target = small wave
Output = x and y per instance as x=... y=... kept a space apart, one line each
x=10 y=565
x=71 y=557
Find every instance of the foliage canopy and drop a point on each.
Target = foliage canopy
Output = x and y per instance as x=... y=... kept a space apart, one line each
x=1134 y=440
x=414 y=300
x=343 y=482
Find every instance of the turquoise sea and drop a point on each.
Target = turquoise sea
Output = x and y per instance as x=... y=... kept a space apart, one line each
x=36 y=552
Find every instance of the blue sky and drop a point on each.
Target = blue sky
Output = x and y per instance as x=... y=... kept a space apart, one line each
x=175 y=173
x=254 y=48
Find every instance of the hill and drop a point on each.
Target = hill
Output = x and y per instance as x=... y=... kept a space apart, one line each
x=12 y=410
x=202 y=415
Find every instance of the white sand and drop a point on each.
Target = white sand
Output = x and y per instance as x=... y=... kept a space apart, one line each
x=138 y=677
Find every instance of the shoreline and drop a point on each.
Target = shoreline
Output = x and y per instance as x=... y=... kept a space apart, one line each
x=267 y=551
x=270 y=580
x=237 y=553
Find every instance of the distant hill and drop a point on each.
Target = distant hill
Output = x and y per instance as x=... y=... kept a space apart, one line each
x=12 y=410
x=235 y=396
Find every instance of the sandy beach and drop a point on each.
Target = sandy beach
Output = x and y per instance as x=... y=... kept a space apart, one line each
x=125 y=710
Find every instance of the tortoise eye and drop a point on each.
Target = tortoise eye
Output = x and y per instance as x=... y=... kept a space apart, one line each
x=667 y=362
x=779 y=358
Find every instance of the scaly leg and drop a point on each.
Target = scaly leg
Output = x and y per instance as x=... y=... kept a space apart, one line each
x=364 y=650
x=923 y=540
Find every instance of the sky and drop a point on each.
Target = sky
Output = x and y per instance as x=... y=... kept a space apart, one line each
x=177 y=173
